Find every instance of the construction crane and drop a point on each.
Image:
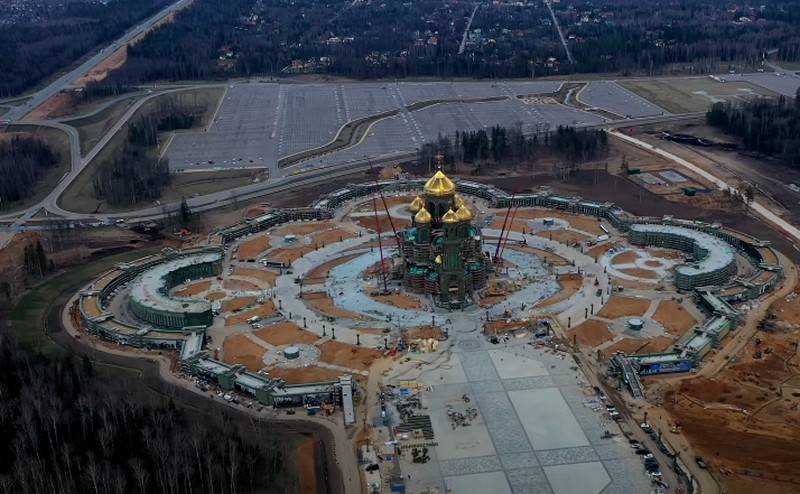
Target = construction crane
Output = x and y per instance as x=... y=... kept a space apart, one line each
x=380 y=245
x=503 y=228
x=504 y=241
x=386 y=208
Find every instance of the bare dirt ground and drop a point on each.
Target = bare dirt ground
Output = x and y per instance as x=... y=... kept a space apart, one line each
x=324 y=304
x=100 y=72
x=399 y=299
x=633 y=346
x=569 y=284
x=194 y=288
x=583 y=223
x=250 y=249
x=746 y=420
x=354 y=357
x=675 y=319
x=563 y=236
x=635 y=285
x=286 y=333
x=599 y=250
x=263 y=310
x=370 y=223
x=625 y=257
x=305 y=375
x=426 y=331
x=264 y=275
x=590 y=333
x=232 y=284
x=306 y=467
x=237 y=303
x=238 y=349
x=618 y=306
x=500 y=326
x=216 y=296
x=640 y=273
x=787 y=309
x=321 y=271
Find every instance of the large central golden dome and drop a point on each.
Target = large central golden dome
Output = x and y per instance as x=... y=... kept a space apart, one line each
x=440 y=185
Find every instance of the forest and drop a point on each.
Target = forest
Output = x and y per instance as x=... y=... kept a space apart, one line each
x=23 y=162
x=32 y=51
x=510 y=147
x=67 y=429
x=365 y=40
x=134 y=172
x=770 y=127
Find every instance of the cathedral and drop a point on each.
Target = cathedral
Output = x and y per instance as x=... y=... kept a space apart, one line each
x=442 y=250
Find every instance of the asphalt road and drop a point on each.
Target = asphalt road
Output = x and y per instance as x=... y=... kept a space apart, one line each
x=18 y=112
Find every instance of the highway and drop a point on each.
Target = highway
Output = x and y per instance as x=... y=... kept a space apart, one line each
x=560 y=32
x=18 y=112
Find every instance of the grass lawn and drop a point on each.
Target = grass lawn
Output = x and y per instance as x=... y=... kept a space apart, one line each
x=92 y=128
x=29 y=316
x=691 y=94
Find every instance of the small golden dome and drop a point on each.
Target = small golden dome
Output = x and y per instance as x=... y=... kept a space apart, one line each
x=458 y=201
x=439 y=185
x=464 y=214
x=423 y=216
x=438 y=260
x=450 y=217
x=416 y=204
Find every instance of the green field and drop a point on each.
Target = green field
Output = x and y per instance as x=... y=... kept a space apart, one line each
x=29 y=315
x=685 y=95
x=59 y=143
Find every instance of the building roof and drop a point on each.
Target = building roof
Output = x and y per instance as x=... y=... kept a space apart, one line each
x=718 y=252
x=458 y=201
x=450 y=217
x=148 y=289
x=423 y=216
x=440 y=185
x=416 y=204
x=464 y=214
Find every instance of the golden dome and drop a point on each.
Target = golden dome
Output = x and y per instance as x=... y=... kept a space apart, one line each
x=463 y=214
x=416 y=204
x=450 y=217
x=458 y=201
x=439 y=185
x=438 y=260
x=423 y=216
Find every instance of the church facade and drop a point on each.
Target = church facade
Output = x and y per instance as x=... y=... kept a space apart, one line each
x=442 y=249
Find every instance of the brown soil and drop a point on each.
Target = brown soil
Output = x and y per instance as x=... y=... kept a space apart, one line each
x=250 y=249
x=640 y=273
x=569 y=285
x=303 y=228
x=101 y=70
x=618 y=306
x=354 y=357
x=590 y=333
x=675 y=319
x=425 y=332
x=305 y=375
x=194 y=288
x=499 y=326
x=518 y=225
x=288 y=255
x=238 y=303
x=238 y=349
x=216 y=296
x=401 y=300
x=264 y=310
x=232 y=284
x=327 y=237
x=306 y=466
x=625 y=257
x=563 y=236
x=370 y=223
x=666 y=253
x=636 y=285
x=264 y=275
x=787 y=309
x=599 y=250
x=761 y=443
x=588 y=224
x=652 y=263
x=324 y=304
x=58 y=106
x=286 y=333
x=633 y=346
x=321 y=271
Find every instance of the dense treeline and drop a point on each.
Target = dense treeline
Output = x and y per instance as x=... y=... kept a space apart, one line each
x=31 y=52
x=510 y=147
x=23 y=162
x=407 y=39
x=66 y=430
x=767 y=126
x=135 y=172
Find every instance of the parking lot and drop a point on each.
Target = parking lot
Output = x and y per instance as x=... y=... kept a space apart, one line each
x=612 y=97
